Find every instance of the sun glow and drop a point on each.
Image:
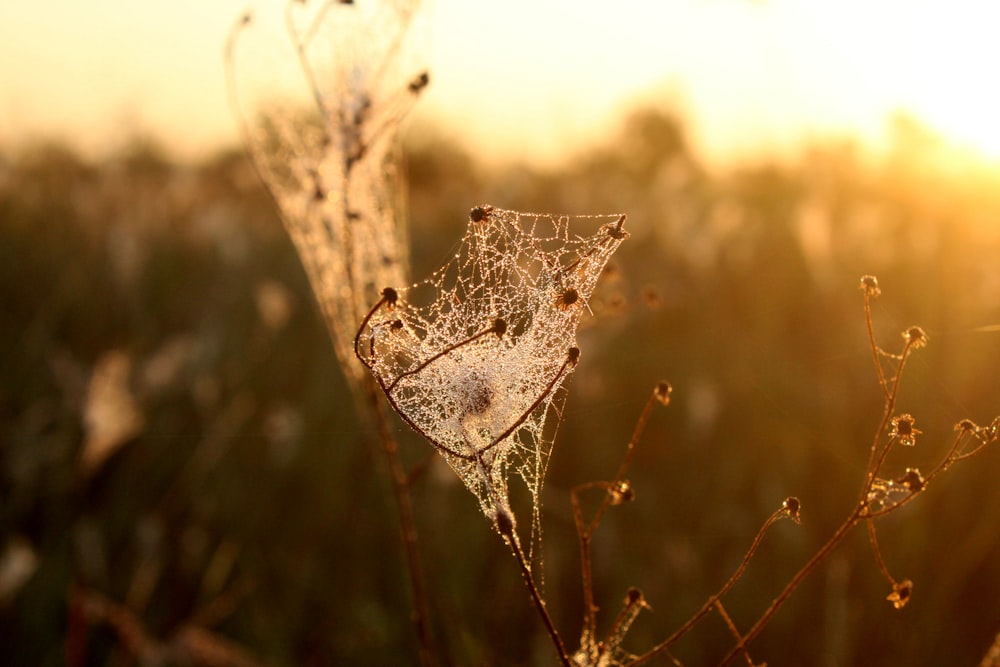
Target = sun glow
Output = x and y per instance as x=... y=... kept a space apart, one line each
x=542 y=79
x=934 y=61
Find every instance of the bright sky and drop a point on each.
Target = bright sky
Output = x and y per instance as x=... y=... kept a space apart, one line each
x=537 y=79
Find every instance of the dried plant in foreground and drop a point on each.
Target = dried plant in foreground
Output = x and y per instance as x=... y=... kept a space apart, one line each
x=328 y=152
x=881 y=494
x=327 y=148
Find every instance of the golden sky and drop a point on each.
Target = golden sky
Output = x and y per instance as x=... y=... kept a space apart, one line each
x=537 y=79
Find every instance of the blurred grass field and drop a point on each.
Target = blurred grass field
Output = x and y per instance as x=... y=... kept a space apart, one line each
x=176 y=438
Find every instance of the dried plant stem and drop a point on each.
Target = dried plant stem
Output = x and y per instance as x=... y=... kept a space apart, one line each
x=873 y=344
x=882 y=443
x=790 y=587
x=873 y=539
x=408 y=531
x=710 y=604
x=733 y=629
x=877 y=456
x=585 y=531
x=536 y=596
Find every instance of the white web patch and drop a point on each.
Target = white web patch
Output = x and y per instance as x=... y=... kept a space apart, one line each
x=320 y=111
x=474 y=357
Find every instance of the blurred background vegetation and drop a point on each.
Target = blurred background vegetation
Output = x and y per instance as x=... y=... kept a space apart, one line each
x=183 y=479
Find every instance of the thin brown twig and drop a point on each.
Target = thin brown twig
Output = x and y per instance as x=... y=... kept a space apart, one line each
x=873 y=343
x=733 y=629
x=765 y=618
x=873 y=540
x=710 y=603
x=877 y=456
x=407 y=526
x=506 y=529
x=585 y=531
x=876 y=459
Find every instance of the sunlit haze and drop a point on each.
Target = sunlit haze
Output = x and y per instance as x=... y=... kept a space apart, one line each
x=541 y=79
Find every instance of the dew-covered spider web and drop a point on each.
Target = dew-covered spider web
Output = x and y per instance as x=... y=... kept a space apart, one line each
x=320 y=91
x=475 y=357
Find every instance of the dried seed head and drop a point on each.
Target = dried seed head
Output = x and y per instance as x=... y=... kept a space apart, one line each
x=567 y=298
x=967 y=426
x=991 y=431
x=662 y=392
x=869 y=285
x=615 y=231
x=901 y=592
x=390 y=296
x=419 y=82
x=902 y=428
x=792 y=507
x=912 y=480
x=573 y=355
x=915 y=337
x=479 y=213
x=621 y=492
x=499 y=326
x=634 y=597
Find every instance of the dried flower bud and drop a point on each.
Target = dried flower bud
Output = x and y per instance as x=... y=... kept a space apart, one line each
x=615 y=231
x=633 y=597
x=390 y=296
x=967 y=426
x=567 y=298
x=662 y=392
x=573 y=355
x=912 y=480
x=792 y=507
x=479 y=213
x=499 y=326
x=621 y=492
x=902 y=428
x=901 y=593
x=869 y=285
x=419 y=82
x=915 y=337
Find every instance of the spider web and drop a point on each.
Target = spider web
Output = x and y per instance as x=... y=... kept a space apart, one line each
x=320 y=108
x=475 y=357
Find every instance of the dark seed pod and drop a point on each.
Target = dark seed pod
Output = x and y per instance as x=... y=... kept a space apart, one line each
x=478 y=214
x=792 y=507
x=419 y=82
